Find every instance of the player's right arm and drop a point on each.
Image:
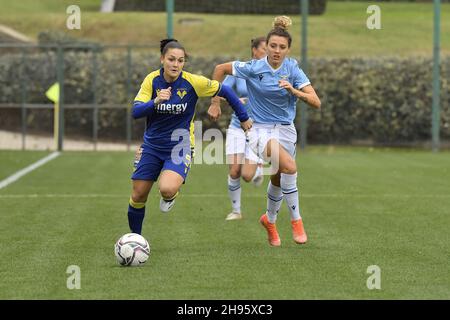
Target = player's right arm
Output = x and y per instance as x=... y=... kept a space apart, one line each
x=214 y=110
x=220 y=71
x=143 y=105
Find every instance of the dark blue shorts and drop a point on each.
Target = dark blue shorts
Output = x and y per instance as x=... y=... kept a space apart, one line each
x=153 y=161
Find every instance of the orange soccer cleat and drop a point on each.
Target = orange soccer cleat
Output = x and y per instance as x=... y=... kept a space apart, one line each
x=298 y=231
x=272 y=233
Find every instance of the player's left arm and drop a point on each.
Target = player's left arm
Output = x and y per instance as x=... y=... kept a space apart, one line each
x=205 y=87
x=233 y=100
x=306 y=93
x=301 y=86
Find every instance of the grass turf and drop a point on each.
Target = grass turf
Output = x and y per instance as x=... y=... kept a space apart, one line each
x=361 y=207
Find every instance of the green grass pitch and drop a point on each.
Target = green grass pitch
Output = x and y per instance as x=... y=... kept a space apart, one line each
x=361 y=207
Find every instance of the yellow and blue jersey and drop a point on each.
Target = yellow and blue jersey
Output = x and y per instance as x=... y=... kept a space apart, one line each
x=171 y=122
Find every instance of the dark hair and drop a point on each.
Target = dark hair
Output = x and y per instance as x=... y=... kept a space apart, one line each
x=280 y=26
x=257 y=41
x=167 y=44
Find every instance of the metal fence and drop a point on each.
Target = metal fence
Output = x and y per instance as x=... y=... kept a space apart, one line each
x=94 y=107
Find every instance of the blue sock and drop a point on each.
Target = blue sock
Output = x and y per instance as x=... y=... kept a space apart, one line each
x=136 y=213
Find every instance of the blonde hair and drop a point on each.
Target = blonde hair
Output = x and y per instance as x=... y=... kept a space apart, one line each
x=279 y=28
x=282 y=22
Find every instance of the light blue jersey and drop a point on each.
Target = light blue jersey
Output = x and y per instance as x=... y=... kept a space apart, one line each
x=240 y=88
x=270 y=103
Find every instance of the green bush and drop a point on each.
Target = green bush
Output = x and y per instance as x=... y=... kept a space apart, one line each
x=443 y=1
x=385 y=101
x=316 y=7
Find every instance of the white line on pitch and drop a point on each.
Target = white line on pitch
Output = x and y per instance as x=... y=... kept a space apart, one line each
x=224 y=195
x=16 y=176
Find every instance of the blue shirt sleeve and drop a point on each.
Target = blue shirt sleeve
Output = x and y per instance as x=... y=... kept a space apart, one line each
x=142 y=109
x=243 y=69
x=300 y=78
x=229 y=81
x=234 y=102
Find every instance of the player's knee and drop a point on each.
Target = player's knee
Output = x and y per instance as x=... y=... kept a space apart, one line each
x=235 y=172
x=140 y=192
x=138 y=197
x=168 y=192
x=289 y=166
x=247 y=176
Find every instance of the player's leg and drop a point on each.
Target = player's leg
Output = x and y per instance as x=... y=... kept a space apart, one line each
x=274 y=197
x=258 y=138
x=288 y=182
x=252 y=168
x=169 y=184
x=147 y=168
x=234 y=150
x=249 y=170
x=173 y=175
x=279 y=160
x=234 y=185
x=136 y=206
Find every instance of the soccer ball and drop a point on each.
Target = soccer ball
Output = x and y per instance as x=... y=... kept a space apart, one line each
x=132 y=250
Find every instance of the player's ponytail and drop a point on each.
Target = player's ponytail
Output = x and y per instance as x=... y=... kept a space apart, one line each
x=167 y=44
x=279 y=28
x=282 y=22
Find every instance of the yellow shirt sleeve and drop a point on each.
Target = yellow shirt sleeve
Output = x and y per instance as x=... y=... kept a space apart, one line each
x=203 y=86
x=145 y=93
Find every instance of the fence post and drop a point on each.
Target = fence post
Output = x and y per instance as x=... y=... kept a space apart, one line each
x=303 y=107
x=94 y=92
x=128 y=97
x=60 y=79
x=436 y=117
x=169 y=9
x=23 y=96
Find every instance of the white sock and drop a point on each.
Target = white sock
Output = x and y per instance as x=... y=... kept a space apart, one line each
x=258 y=172
x=234 y=192
x=290 y=194
x=257 y=176
x=274 y=201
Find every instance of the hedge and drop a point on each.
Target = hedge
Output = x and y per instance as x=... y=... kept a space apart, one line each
x=316 y=7
x=417 y=1
x=377 y=100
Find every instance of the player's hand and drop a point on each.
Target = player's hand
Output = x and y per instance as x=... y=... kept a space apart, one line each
x=163 y=95
x=247 y=125
x=243 y=100
x=286 y=85
x=214 y=111
x=138 y=154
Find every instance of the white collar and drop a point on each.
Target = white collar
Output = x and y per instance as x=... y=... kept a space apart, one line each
x=271 y=68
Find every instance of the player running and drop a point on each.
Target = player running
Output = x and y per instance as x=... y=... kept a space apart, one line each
x=167 y=99
x=274 y=84
x=243 y=162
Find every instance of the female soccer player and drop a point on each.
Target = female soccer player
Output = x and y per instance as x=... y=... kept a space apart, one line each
x=274 y=84
x=243 y=162
x=167 y=99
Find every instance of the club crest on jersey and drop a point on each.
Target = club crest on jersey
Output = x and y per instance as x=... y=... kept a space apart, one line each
x=181 y=93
